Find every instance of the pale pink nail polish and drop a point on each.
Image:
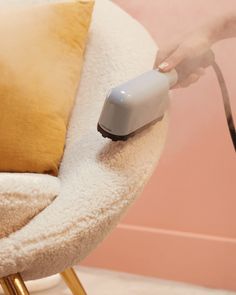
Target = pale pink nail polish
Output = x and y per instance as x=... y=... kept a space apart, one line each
x=163 y=66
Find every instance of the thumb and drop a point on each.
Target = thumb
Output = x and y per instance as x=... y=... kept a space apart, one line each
x=173 y=60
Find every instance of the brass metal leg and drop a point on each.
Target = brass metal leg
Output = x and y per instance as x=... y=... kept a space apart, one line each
x=14 y=285
x=7 y=287
x=73 y=282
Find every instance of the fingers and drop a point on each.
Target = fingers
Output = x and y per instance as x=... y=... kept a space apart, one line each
x=193 y=78
x=187 y=47
x=173 y=60
x=163 y=54
x=200 y=71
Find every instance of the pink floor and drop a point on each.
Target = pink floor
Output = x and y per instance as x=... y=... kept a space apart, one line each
x=184 y=225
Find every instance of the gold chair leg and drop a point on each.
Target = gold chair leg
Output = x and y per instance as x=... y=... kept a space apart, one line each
x=73 y=282
x=7 y=287
x=14 y=285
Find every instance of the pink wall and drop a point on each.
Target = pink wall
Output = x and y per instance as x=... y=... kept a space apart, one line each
x=184 y=225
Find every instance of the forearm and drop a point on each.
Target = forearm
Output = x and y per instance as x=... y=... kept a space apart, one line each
x=223 y=27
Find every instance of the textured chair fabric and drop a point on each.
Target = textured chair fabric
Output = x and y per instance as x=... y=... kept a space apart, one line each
x=99 y=179
x=22 y=196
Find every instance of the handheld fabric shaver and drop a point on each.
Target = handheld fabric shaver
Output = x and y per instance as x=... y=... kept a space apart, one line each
x=143 y=101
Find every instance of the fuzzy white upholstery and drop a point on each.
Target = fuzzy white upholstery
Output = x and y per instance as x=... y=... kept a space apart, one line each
x=99 y=178
x=22 y=196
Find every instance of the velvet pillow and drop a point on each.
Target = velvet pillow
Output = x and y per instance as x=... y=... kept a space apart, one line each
x=41 y=56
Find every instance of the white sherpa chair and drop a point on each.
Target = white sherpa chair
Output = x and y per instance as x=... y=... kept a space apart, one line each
x=98 y=179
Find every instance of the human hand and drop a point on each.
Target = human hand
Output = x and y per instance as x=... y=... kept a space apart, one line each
x=185 y=48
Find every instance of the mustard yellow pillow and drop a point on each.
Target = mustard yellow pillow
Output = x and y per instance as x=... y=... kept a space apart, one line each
x=41 y=55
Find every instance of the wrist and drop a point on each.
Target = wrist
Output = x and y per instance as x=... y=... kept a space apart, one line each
x=222 y=27
x=212 y=31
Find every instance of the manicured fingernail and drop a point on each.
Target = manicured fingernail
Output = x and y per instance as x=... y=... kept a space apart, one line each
x=163 y=66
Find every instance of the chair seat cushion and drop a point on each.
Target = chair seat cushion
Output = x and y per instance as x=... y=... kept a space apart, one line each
x=99 y=179
x=22 y=196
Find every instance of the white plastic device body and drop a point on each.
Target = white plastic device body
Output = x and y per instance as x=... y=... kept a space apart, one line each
x=136 y=103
